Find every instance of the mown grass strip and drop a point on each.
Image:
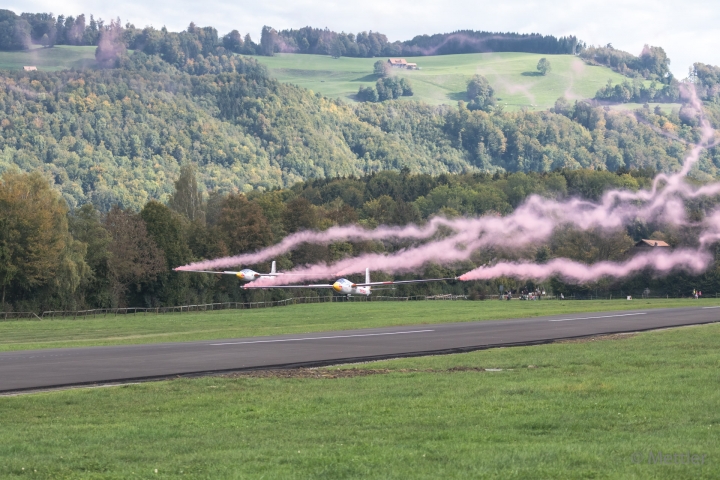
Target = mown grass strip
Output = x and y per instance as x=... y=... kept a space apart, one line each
x=151 y=328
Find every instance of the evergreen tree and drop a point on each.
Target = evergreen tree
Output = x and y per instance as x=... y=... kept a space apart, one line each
x=268 y=41
x=187 y=199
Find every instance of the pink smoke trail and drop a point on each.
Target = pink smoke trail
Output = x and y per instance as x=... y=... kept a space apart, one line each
x=691 y=261
x=333 y=234
x=532 y=222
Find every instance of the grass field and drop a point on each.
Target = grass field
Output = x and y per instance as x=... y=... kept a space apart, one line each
x=443 y=79
x=581 y=412
x=140 y=328
x=60 y=57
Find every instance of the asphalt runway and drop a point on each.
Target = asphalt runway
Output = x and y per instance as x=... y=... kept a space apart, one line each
x=53 y=368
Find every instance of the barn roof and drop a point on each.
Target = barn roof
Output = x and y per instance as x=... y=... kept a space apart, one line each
x=651 y=243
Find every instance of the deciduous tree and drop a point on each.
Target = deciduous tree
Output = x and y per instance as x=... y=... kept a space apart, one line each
x=543 y=66
x=242 y=225
x=33 y=233
x=134 y=256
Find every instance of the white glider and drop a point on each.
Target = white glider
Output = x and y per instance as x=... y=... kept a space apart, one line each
x=346 y=287
x=245 y=275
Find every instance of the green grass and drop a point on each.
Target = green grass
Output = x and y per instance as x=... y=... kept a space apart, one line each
x=61 y=57
x=581 y=413
x=140 y=328
x=443 y=79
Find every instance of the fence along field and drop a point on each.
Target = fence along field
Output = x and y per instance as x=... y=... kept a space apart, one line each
x=209 y=307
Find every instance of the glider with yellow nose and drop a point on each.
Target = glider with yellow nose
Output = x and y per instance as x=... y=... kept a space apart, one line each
x=344 y=286
x=245 y=275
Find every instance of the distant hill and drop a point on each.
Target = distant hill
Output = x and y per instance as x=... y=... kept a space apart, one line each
x=443 y=79
x=120 y=135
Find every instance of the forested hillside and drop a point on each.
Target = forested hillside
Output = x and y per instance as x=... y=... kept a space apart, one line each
x=183 y=150
x=120 y=135
x=54 y=258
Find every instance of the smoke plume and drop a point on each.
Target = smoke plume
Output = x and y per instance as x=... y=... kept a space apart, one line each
x=531 y=223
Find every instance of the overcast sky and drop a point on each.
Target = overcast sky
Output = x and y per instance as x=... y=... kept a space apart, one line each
x=688 y=30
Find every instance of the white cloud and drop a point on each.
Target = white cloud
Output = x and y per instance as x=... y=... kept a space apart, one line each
x=687 y=30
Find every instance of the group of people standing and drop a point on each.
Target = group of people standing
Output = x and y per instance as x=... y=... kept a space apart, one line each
x=526 y=294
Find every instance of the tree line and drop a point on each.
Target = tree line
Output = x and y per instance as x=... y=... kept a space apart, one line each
x=373 y=44
x=636 y=90
x=54 y=257
x=707 y=81
x=652 y=63
x=18 y=32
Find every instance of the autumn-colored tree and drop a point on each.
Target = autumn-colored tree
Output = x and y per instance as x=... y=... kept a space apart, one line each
x=134 y=256
x=242 y=225
x=342 y=215
x=300 y=215
x=33 y=234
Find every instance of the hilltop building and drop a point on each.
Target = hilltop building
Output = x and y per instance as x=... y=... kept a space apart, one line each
x=30 y=68
x=402 y=63
x=646 y=244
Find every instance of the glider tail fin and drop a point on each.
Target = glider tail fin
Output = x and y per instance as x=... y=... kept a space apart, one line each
x=272 y=269
x=367 y=275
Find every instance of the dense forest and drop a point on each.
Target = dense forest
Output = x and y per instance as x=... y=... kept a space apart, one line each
x=54 y=257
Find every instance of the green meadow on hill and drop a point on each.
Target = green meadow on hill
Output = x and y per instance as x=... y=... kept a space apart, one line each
x=59 y=57
x=442 y=79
